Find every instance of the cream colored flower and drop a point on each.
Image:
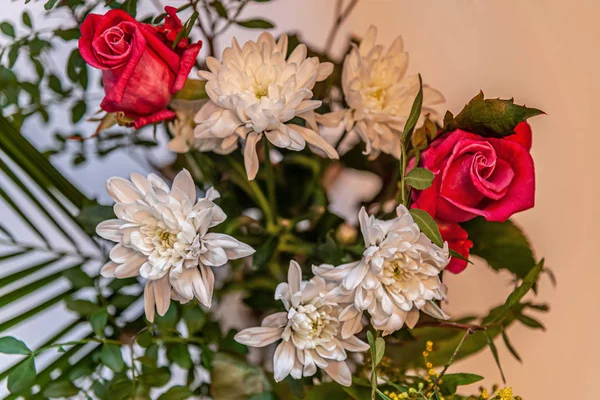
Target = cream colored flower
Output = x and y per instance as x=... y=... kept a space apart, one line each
x=254 y=91
x=397 y=277
x=309 y=329
x=162 y=235
x=379 y=95
x=182 y=128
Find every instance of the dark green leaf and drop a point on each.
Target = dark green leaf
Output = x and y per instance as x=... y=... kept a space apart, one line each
x=156 y=378
x=7 y=29
x=510 y=347
x=419 y=178
x=22 y=377
x=91 y=215
x=13 y=55
x=111 y=356
x=68 y=34
x=256 y=24
x=130 y=7
x=10 y=345
x=49 y=4
x=98 y=320
x=326 y=391
x=176 y=393
x=377 y=348
x=427 y=225
x=186 y=30
x=489 y=117
x=78 y=278
x=229 y=344
x=78 y=111
x=382 y=395
x=415 y=112
x=452 y=381
x=530 y=322
x=83 y=307
x=502 y=244
x=515 y=297
x=456 y=254
x=265 y=251
x=60 y=389
x=195 y=319
x=26 y=19
x=495 y=354
x=263 y=396
x=221 y=10
x=179 y=354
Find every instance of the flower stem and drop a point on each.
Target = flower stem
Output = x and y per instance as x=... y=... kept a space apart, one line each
x=374 y=368
x=270 y=177
x=468 y=332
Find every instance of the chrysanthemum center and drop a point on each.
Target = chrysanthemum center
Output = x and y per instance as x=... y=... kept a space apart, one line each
x=398 y=271
x=165 y=238
x=312 y=326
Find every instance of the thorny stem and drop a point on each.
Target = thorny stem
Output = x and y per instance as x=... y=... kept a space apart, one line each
x=339 y=20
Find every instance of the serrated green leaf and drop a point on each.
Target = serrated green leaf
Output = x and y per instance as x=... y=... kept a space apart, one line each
x=419 y=178
x=10 y=345
x=510 y=347
x=98 y=320
x=111 y=356
x=26 y=18
x=7 y=29
x=489 y=117
x=60 y=389
x=502 y=244
x=427 y=225
x=256 y=23
x=22 y=377
x=176 y=393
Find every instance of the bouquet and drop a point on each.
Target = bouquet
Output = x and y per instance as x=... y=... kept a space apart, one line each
x=229 y=272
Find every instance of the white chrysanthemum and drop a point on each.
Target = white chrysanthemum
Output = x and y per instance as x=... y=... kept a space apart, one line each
x=397 y=276
x=162 y=235
x=255 y=90
x=310 y=331
x=184 y=135
x=379 y=95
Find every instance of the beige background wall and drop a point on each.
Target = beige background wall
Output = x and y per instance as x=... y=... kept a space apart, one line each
x=545 y=54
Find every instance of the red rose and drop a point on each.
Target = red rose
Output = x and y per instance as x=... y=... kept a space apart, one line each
x=458 y=241
x=476 y=176
x=522 y=135
x=140 y=71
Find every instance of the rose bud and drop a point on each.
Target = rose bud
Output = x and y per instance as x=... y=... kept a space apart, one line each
x=458 y=241
x=140 y=71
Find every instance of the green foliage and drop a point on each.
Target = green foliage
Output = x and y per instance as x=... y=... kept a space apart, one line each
x=489 y=117
x=10 y=345
x=22 y=377
x=427 y=225
x=256 y=23
x=110 y=355
x=452 y=381
x=419 y=178
x=60 y=389
x=502 y=244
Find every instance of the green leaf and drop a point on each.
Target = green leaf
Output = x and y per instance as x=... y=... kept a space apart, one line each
x=228 y=344
x=415 y=112
x=456 y=254
x=326 y=391
x=495 y=354
x=510 y=347
x=156 y=378
x=186 y=30
x=530 y=322
x=179 y=354
x=83 y=307
x=193 y=89
x=452 y=381
x=502 y=244
x=130 y=7
x=232 y=375
x=98 y=320
x=382 y=395
x=489 y=117
x=515 y=297
x=60 y=389
x=7 y=29
x=68 y=34
x=263 y=396
x=377 y=348
x=10 y=345
x=265 y=252
x=49 y=4
x=78 y=278
x=176 y=393
x=92 y=214
x=221 y=10
x=111 y=356
x=78 y=111
x=256 y=24
x=419 y=178
x=26 y=19
x=195 y=319
x=427 y=225
x=22 y=377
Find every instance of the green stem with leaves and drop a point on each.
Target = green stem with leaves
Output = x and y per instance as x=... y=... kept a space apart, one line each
x=270 y=172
